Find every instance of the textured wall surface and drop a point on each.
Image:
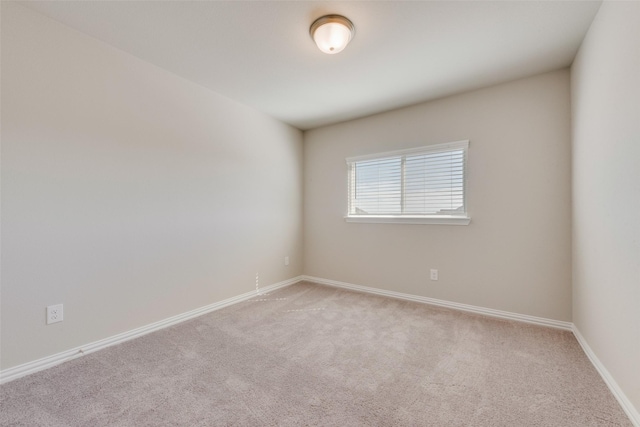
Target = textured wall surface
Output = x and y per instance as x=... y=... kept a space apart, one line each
x=606 y=192
x=128 y=194
x=516 y=253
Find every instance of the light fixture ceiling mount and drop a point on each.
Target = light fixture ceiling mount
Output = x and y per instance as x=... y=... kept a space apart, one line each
x=332 y=33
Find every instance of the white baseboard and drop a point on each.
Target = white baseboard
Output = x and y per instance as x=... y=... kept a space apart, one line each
x=442 y=303
x=626 y=404
x=50 y=361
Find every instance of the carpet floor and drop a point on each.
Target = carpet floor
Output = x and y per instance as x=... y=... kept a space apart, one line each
x=315 y=355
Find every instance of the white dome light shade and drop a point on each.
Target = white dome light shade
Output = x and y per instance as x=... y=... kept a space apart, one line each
x=332 y=33
x=332 y=37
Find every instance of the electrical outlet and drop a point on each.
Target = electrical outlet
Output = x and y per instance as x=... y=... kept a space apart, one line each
x=54 y=314
x=434 y=274
x=286 y=260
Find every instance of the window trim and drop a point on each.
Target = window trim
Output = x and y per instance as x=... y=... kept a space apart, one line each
x=412 y=219
x=388 y=219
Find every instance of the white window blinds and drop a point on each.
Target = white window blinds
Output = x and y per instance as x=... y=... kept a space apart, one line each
x=422 y=182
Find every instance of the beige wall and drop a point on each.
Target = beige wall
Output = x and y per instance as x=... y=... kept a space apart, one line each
x=516 y=253
x=606 y=192
x=129 y=194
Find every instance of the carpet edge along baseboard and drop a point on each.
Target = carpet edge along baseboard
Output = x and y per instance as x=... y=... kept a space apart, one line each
x=46 y=362
x=53 y=360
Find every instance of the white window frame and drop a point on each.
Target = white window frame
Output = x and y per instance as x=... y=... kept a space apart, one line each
x=462 y=219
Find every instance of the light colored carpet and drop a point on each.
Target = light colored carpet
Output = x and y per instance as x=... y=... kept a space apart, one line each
x=315 y=355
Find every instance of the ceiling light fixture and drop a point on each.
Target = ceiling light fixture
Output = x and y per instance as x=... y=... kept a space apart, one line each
x=332 y=33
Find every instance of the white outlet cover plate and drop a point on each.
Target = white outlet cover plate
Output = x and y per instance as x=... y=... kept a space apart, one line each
x=55 y=314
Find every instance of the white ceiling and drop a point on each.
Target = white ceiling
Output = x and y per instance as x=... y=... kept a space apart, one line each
x=260 y=53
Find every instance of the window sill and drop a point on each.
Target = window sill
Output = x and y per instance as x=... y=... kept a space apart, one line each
x=444 y=220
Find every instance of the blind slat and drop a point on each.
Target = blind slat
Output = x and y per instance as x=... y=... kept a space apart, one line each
x=422 y=183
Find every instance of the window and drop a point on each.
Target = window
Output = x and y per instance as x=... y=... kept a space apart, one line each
x=422 y=185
